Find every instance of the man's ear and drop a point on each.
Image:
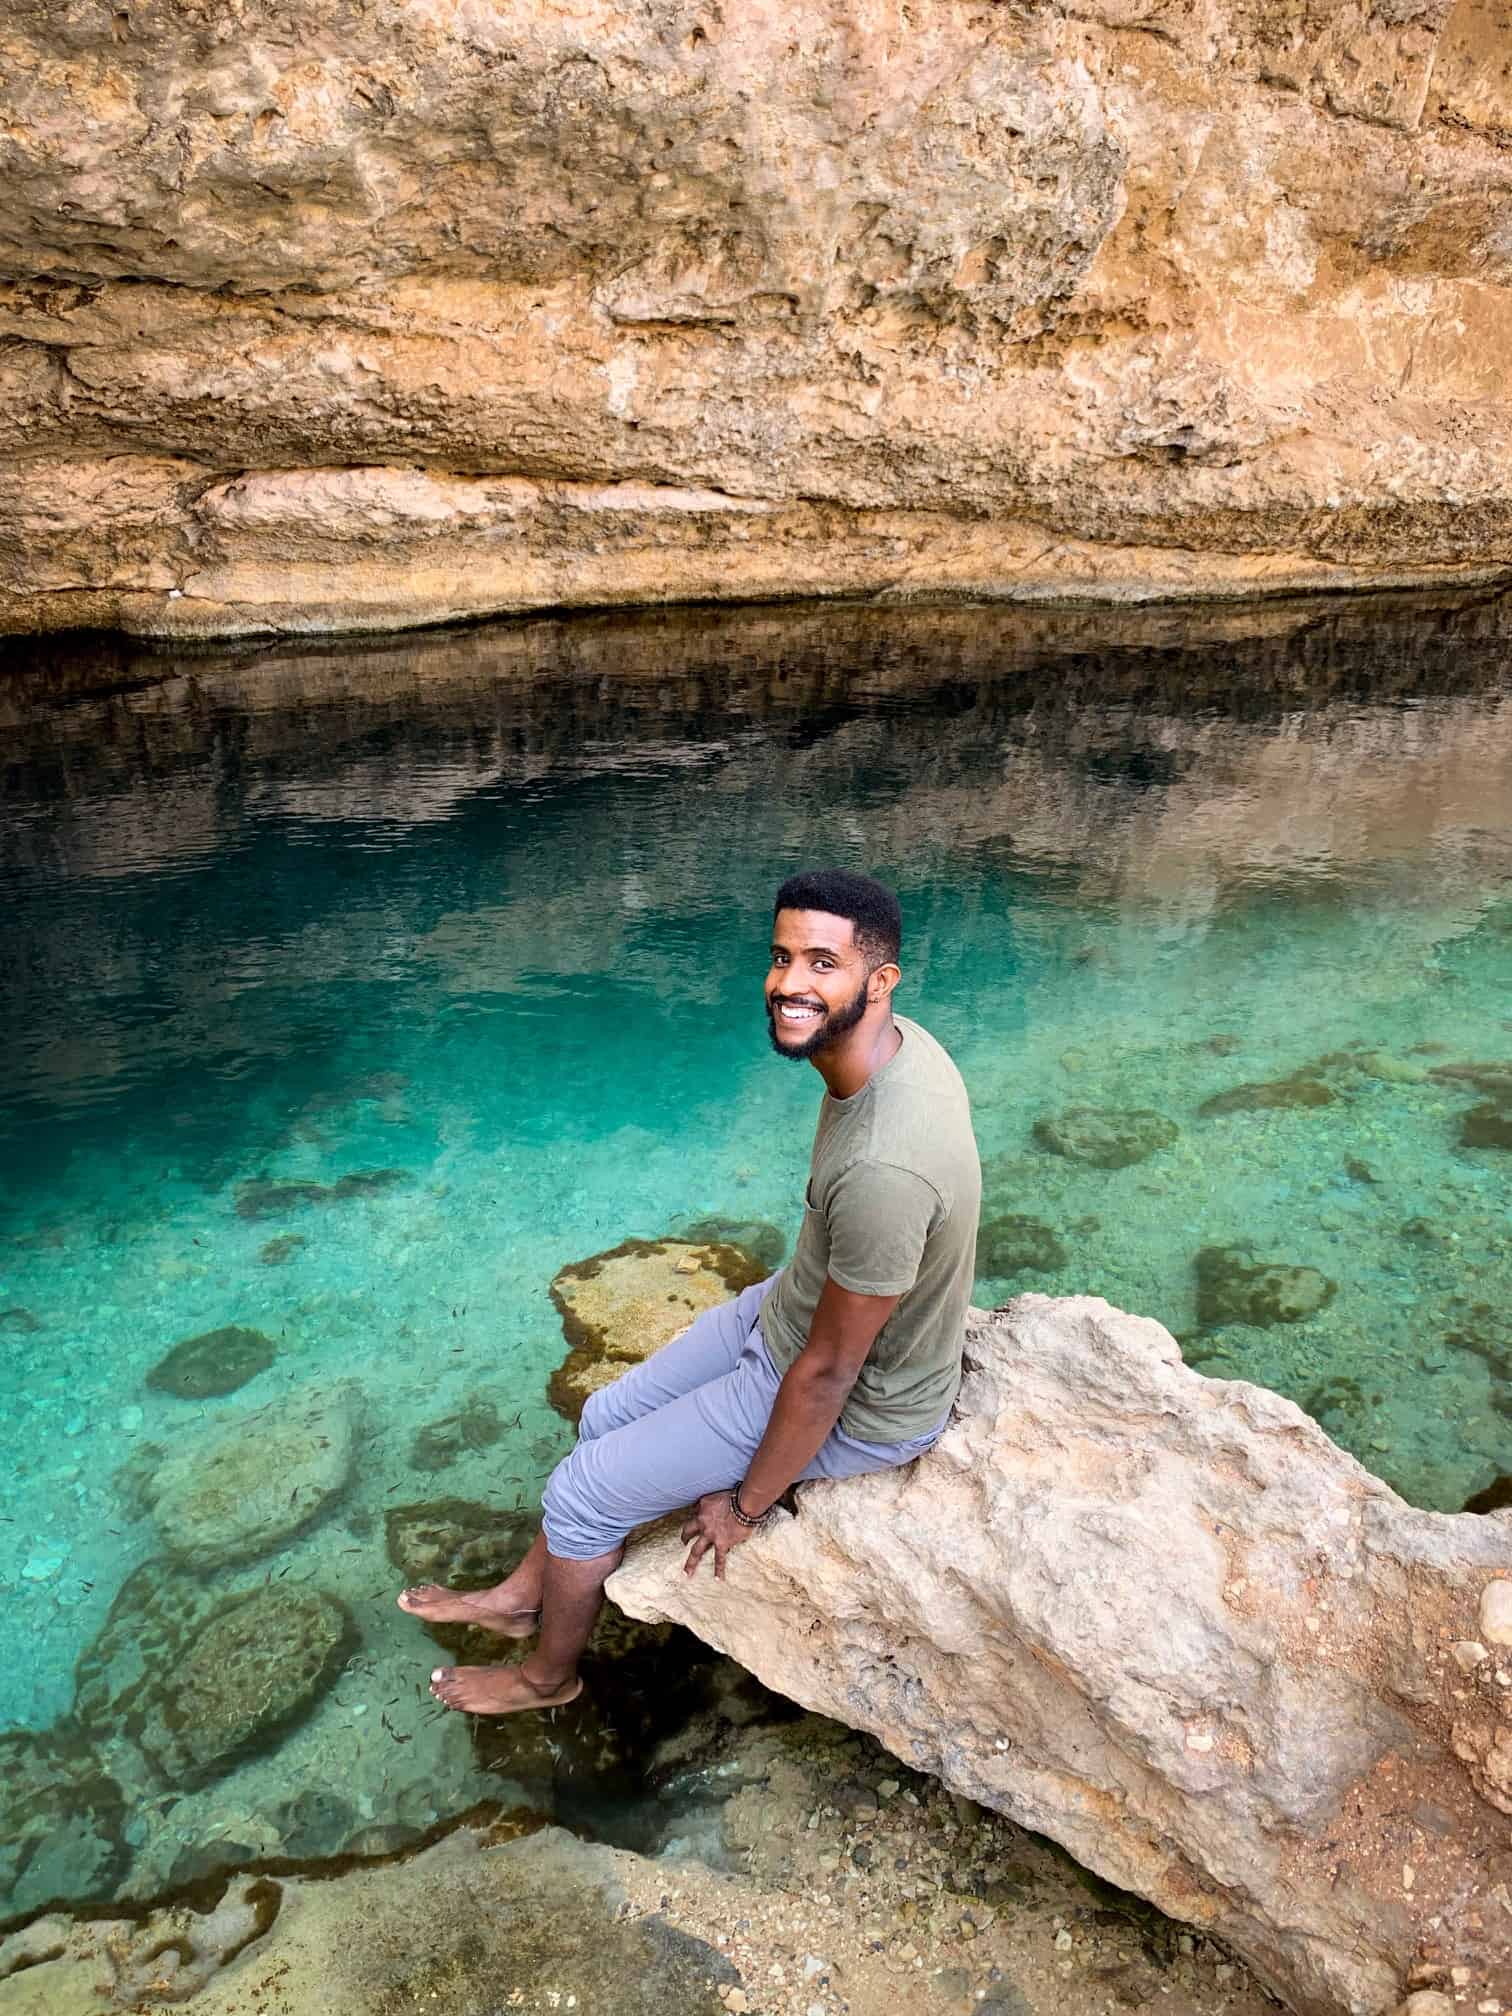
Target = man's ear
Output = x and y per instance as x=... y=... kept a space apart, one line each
x=881 y=982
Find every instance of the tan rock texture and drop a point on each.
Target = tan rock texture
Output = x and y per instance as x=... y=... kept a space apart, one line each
x=1164 y=1620
x=389 y=311
x=620 y=1306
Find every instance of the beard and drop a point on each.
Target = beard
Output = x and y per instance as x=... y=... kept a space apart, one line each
x=832 y=1025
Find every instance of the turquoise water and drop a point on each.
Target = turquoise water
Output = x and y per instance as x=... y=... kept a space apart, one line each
x=477 y=922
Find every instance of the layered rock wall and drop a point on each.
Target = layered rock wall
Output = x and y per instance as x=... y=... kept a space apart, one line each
x=1164 y=1620
x=389 y=311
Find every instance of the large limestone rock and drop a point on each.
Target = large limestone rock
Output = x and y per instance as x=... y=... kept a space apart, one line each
x=1166 y=1621
x=354 y=314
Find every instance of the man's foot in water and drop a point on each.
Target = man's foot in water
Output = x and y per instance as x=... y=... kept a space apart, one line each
x=492 y=1610
x=499 y=1690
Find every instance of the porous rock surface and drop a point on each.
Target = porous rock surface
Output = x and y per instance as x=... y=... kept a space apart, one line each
x=1164 y=1620
x=384 y=311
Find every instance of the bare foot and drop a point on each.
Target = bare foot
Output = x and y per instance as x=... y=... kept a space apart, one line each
x=449 y=1606
x=497 y=1690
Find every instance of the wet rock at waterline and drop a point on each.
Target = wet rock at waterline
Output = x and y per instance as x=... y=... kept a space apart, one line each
x=1013 y=1244
x=266 y=1197
x=1105 y=1138
x=1275 y=1095
x=1167 y=1622
x=256 y=1666
x=619 y=1306
x=215 y=1362
x=1233 y=1287
x=237 y=1492
x=1494 y=1497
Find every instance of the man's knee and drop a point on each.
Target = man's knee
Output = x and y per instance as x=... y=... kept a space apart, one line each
x=593 y=1420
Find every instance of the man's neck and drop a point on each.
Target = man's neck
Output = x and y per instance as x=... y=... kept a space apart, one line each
x=853 y=1063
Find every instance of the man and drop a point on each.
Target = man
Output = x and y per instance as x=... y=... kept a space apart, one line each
x=847 y=1360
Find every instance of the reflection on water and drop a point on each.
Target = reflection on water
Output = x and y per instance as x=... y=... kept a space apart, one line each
x=351 y=992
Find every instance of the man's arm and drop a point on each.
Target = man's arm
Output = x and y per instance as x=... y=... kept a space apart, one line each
x=809 y=1400
x=814 y=1389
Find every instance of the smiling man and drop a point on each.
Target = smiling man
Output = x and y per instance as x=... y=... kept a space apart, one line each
x=848 y=1360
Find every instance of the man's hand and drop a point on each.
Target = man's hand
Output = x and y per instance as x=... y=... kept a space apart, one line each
x=714 y=1525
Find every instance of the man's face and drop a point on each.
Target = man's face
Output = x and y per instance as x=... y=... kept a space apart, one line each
x=816 y=985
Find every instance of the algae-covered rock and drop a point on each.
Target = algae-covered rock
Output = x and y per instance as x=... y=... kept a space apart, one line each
x=1298 y=1092
x=620 y=1306
x=1103 y=1137
x=1013 y=1244
x=217 y=1361
x=238 y=1493
x=278 y=1251
x=266 y=1197
x=1232 y=1287
x=255 y=1667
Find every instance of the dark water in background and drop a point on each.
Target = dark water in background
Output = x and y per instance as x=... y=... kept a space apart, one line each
x=489 y=908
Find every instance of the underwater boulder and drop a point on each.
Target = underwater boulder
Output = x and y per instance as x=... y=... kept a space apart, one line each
x=457 y=1542
x=243 y=1490
x=763 y=1241
x=619 y=1306
x=1492 y=1076
x=62 y=1817
x=1104 y=1137
x=215 y=1362
x=475 y=1425
x=255 y=1667
x=1298 y=1092
x=268 y=1197
x=1014 y=1244
x=1233 y=1287
x=1488 y=1125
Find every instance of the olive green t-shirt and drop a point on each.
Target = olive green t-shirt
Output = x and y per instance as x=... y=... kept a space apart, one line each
x=894 y=1191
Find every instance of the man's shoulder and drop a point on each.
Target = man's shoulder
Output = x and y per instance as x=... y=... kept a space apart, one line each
x=924 y=1064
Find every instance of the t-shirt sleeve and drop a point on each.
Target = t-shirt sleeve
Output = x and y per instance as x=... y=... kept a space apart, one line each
x=878 y=1217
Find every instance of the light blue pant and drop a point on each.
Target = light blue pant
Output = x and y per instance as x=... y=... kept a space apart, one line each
x=685 y=1421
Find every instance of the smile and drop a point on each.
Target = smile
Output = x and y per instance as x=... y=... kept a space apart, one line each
x=794 y=1016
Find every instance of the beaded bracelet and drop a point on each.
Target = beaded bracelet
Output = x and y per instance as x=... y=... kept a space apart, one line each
x=743 y=1516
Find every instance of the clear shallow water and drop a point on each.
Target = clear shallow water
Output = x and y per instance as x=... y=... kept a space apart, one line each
x=486 y=912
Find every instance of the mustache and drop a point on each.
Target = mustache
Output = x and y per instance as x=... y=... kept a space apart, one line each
x=793 y=1001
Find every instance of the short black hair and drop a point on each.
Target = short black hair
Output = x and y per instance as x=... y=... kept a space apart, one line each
x=872 y=909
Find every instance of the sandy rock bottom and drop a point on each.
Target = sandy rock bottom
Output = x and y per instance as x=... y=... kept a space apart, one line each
x=828 y=1880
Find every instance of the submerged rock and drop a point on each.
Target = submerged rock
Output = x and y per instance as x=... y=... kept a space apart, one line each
x=1271 y=1095
x=1012 y=1244
x=252 y=1669
x=619 y=1306
x=281 y=1249
x=217 y=1361
x=1103 y=1137
x=1488 y=1125
x=266 y=1198
x=1098 y=1606
x=438 y=1444
x=457 y=1542
x=19 y=1322
x=242 y=1491
x=1232 y=1287
x=765 y=1243
x=1494 y=1077
x=62 y=1820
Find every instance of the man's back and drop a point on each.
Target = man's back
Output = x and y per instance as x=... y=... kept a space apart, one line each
x=892 y=1204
